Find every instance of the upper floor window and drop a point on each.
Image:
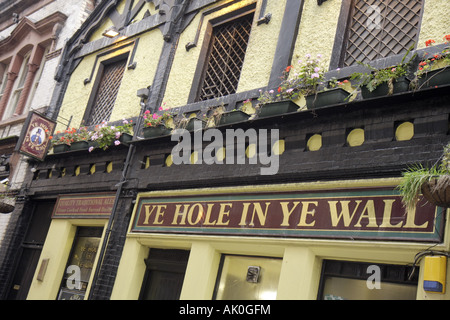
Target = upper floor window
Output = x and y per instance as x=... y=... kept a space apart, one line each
x=18 y=86
x=225 y=57
x=105 y=91
x=3 y=77
x=377 y=29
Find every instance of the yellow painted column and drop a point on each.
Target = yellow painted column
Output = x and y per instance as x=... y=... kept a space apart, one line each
x=56 y=249
x=300 y=275
x=201 y=272
x=131 y=271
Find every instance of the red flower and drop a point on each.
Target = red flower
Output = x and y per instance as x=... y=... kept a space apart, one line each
x=447 y=37
x=288 y=68
x=429 y=42
x=279 y=89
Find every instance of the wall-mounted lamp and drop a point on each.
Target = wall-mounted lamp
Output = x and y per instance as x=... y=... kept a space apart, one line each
x=111 y=33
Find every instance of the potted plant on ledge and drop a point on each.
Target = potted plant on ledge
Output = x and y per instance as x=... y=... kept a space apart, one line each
x=309 y=81
x=105 y=136
x=386 y=81
x=433 y=183
x=434 y=69
x=156 y=124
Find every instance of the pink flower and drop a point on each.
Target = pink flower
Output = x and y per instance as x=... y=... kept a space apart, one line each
x=160 y=108
x=117 y=142
x=147 y=112
x=155 y=116
x=90 y=149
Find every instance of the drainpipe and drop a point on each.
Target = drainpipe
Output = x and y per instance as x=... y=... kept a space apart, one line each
x=143 y=94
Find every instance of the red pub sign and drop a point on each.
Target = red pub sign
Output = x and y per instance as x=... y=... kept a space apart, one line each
x=355 y=214
x=37 y=136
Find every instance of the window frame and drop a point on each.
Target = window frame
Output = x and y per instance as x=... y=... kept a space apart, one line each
x=202 y=64
x=342 y=34
x=98 y=79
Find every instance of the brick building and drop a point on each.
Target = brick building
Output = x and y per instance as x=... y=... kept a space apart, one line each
x=132 y=223
x=32 y=36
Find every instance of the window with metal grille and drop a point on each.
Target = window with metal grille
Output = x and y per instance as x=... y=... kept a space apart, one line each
x=226 y=57
x=106 y=93
x=378 y=29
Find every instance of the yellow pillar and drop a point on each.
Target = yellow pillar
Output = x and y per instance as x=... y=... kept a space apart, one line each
x=131 y=271
x=56 y=249
x=201 y=272
x=300 y=275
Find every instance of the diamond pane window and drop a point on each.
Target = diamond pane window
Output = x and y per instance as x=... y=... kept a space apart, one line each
x=227 y=52
x=381 y=28
x=107 y=92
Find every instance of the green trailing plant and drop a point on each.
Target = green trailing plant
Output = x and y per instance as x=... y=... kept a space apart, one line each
x=417 y=175
x=371 y=80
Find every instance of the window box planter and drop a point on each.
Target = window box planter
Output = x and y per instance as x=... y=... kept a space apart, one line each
x=125 y=138
x=434 y=78
x=400 y=85
x=326 y=98
x=233 y=117
x=191 y=122
x=59 y=148
x=79 y=145
x=277 y=108
x=155 y=131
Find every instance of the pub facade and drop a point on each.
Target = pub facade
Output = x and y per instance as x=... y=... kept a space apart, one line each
x=302 y=204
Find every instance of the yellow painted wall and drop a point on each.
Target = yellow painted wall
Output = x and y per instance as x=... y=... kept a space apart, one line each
x=317 y=31
x=258 y=61
x=127 y=103
x=435 y=22
x=57 y=247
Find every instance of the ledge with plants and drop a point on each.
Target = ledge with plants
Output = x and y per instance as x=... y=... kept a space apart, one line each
x=434 y=67
x=308 y=81
x=433 y=182
x=155 y=124
x=101 y=136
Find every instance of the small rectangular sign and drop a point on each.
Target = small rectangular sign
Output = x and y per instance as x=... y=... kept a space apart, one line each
x=37 y=135
x=353 y=214
x=84 y=206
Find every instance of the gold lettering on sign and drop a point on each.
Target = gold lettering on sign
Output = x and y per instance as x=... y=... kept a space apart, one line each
x=345 y=212
x=305 y=212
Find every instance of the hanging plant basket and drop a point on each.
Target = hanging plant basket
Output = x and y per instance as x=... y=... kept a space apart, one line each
x=7 y=205
x=437 y=191
x=155 y=131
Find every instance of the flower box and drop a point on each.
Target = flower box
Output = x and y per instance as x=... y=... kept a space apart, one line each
x=400 y=85
x=191 y=123
x=233 y=117
x=79 y=145
x=125 y=138
x=326 y=98
x=434 y=78
x=59 y=148
x=277 y=108
x=155 y=131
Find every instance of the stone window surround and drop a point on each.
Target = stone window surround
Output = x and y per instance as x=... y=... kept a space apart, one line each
x=27 y=37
